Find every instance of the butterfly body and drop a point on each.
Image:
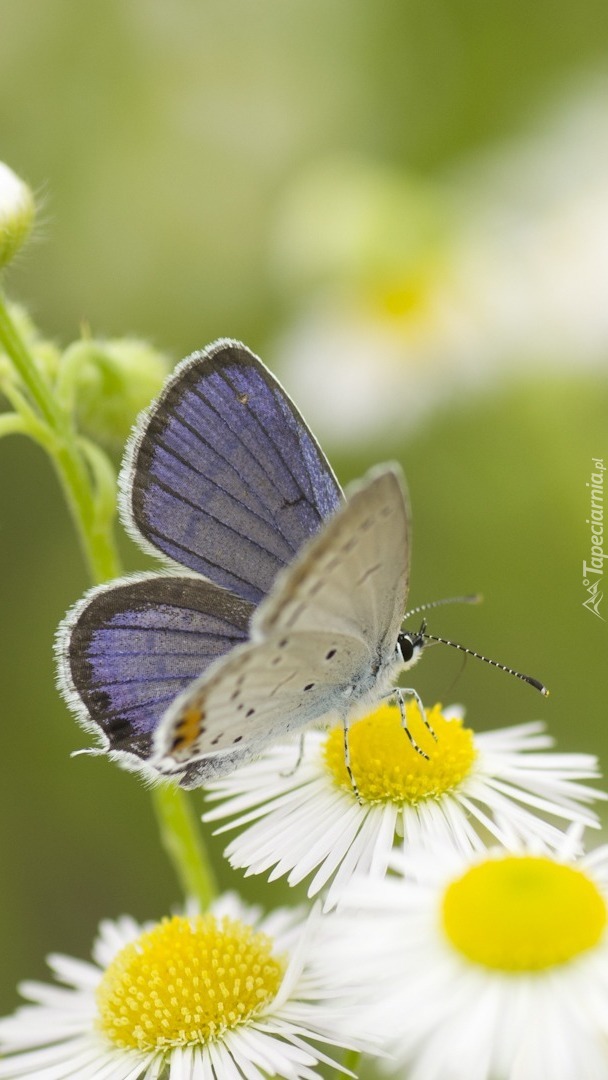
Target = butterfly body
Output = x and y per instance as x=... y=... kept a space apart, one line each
x=304 y=627
x=190 y=749
x=290 y=607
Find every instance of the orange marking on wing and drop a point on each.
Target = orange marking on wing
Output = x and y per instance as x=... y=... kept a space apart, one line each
x=189 y=728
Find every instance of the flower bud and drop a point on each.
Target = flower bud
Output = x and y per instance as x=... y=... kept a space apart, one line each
x=17 y=212
x=108 y=383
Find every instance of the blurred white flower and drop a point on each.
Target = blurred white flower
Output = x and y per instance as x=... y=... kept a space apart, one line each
x=498 y=268
x=534 y=252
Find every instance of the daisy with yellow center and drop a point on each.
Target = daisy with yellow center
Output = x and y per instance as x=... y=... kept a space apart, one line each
x=495 y=966
x=220 y=995
x=186 y=982
x=307 y=822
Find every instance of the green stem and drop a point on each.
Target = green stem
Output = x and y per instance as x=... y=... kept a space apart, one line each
x=31 y=378
x=12 y=424
x=95 y=537
x=181 y=840
x=31 y=424
x=88 y=482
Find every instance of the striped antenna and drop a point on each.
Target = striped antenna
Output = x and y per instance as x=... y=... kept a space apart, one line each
x=503 y=667
x=474 y=598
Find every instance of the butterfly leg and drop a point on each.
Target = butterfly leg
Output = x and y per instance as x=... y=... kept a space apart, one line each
x=422 y=711
x=299 y=759
x=400 y=695
x=347 y=762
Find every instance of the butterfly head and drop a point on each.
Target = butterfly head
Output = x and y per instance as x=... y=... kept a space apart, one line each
x=410 y=644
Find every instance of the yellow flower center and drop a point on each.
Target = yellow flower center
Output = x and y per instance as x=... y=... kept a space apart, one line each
x=185 y=982
x=384 y=763
x=523 y=913
x=402 y=297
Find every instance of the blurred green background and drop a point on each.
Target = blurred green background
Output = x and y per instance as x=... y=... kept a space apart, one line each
x=403 y=207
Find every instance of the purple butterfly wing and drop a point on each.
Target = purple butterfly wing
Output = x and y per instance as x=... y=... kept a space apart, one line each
x=222 y=474
x=127 y=649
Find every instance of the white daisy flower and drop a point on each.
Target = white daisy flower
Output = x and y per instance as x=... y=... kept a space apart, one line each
x=495 y=966
x=308 y=821
x=222 y=996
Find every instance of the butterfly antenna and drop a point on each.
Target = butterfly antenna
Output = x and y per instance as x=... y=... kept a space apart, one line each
x=503 y=667
x=474 y=598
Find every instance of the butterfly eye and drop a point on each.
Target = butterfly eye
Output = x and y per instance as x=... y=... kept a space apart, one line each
x=405 y=646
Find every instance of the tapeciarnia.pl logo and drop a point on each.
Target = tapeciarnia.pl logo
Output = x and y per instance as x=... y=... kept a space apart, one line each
x=593 y=570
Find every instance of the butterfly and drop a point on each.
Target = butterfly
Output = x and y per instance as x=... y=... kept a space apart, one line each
x=282 y=599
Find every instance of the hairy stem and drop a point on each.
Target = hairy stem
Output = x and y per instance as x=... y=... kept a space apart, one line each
x=88 y=481
x=96 y=538
x=182 y=841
